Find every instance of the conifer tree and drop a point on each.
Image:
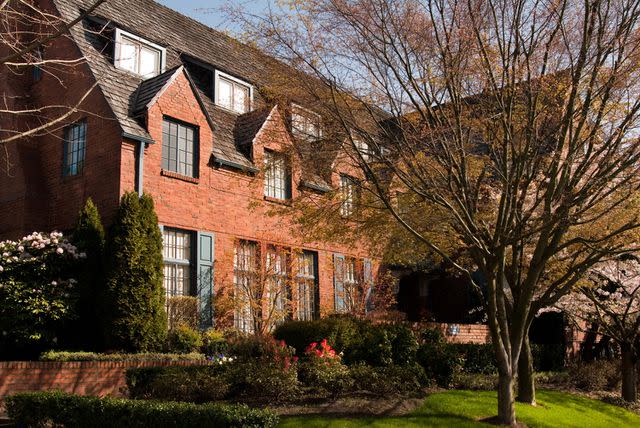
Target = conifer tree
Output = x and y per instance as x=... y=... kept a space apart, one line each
x=89 y=238
x=136 y=318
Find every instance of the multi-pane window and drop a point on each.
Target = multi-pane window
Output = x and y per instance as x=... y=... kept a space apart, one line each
x=245 y=279
x=305 y=123
x=75 y=141
x=179 y=148
x=232 y=94
x=363 y=149
x=277 y=275
x=348 y=194
x=176 y=251
x=137 y=55
x=277 y=182
x=306 y=283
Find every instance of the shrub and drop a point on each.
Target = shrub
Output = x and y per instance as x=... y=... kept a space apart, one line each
x=142 y=356
x=37 y=292
x=439 y=360
x=476 y=358
x=359 y=341
x=88 y=237
x=134 y=298
x=184 y=339
x=388 y=380
x=197 y=384
x=257 y=381
x=34 y=409
x=548 y=357
x=322 y=369
x=182 y=310
x=475 y=381
x=599 y=375
x=213 y=343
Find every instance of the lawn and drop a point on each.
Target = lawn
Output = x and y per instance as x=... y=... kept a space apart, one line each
x=465 y=408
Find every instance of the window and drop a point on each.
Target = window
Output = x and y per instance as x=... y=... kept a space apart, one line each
x=305 y=123
x=245 y=280
x=348 y=193
x=349 y=284
x=277 y=273
x=75 y=141
x=38 y=57
x=306 y=284
x=137 y=55
x=363 y=149
x=232 y=94
x=277 y=181
x=177 y=252
x=179 y=148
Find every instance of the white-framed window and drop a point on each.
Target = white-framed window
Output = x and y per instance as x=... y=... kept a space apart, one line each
x=305 y=123
x=306 y=282
x=232 y=93
x=176 y=251
x=277 y=270
x=246 y=270
x=137 y=55
x=277 y=180
x=363 y=148
x=348 y=194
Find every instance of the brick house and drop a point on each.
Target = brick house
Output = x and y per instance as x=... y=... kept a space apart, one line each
x=177 y=113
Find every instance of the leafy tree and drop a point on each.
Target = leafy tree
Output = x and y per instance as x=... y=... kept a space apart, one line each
x=89 y=238
x=134 y=311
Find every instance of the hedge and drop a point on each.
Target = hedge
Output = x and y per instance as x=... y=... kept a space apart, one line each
x=34 y=409
x=141 y=356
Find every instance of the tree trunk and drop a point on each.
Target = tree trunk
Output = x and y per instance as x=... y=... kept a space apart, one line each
x=506 y=405
x=628 y=373
x=526 y=382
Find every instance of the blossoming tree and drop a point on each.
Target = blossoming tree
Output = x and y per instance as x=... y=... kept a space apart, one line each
x=611 y=302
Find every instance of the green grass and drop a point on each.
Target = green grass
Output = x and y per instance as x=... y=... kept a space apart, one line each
x=465 y=408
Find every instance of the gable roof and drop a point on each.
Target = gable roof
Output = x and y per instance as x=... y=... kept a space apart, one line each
x=151 y=89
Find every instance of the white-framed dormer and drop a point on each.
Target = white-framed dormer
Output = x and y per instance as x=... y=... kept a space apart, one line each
x=137 y=55
x=305 y=123
x=232 y=93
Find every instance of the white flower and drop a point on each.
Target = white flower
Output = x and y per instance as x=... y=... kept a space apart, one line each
x=59 y=250
x=1 y=268
x=54 y=283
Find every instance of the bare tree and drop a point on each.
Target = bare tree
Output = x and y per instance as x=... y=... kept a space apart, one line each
x=511 y=123
x=28 y=29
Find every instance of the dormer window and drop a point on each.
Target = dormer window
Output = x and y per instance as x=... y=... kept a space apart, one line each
x=233 y=94
x=139 y=56
x=305 y=123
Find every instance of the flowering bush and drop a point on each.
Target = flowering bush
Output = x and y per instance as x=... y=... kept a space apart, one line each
x=37 y=290
x=220 y=359
x=323 y=369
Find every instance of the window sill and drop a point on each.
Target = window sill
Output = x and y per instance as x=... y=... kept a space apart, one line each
x=286 y=202
x=177 y=176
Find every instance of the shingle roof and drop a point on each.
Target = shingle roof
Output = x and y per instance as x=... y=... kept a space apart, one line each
x=183 y=38
x=151 y=88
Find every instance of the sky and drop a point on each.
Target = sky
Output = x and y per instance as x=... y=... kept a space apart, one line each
x=208 y=11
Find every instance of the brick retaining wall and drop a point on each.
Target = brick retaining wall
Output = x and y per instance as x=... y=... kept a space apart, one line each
x=98 y=378
x=463 y=333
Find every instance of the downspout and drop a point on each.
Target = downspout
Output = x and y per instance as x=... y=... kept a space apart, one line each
x=140 y=168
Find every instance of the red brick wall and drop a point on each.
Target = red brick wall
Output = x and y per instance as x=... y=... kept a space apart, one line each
x=83 y=377
x=229 y=203
x=33 y=193
x=466 y=333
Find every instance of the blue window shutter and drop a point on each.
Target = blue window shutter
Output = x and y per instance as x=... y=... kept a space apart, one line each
x=338 y=282
x=204 y=272
x=368 y=283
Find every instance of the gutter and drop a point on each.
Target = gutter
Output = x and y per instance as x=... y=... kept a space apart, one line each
x=234 y=165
